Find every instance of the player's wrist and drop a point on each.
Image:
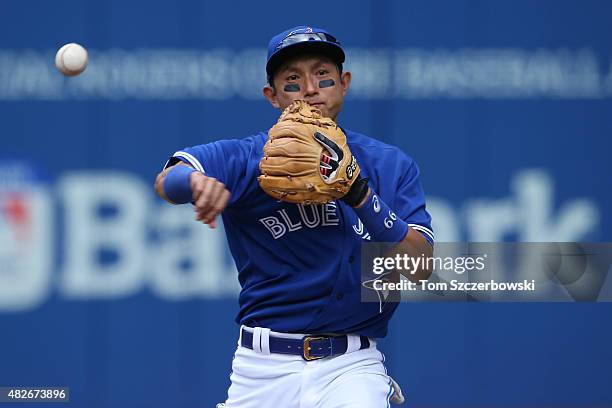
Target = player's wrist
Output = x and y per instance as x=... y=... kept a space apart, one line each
x=193 y=178
x=362 y=202
x=177 y=184
x=358 y=193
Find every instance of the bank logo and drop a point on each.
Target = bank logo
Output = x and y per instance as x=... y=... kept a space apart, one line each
x=25 y=227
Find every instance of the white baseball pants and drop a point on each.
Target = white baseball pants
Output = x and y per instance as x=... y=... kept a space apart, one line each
x=356 y=379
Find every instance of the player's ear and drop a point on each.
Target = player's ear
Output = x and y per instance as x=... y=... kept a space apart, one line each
x=270 y=94
x=345 y=81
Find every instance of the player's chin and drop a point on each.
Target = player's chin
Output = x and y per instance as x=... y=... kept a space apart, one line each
x=323 y=108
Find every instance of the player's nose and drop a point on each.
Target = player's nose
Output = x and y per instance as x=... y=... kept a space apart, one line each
x=311 y=87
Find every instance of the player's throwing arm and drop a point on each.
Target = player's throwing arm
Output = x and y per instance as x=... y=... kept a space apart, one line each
x=181 y=184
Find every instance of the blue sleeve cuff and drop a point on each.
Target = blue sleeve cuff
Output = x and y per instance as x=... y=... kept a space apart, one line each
x=382 y=223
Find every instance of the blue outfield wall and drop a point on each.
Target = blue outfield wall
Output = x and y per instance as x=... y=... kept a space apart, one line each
x=506 y=106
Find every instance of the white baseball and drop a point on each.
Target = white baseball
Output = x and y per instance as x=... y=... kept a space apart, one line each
x=71 y=59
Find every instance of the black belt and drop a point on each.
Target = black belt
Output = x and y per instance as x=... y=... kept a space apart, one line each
x=309 y=347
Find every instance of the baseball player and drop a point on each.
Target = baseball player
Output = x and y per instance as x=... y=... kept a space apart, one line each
x=297 y=202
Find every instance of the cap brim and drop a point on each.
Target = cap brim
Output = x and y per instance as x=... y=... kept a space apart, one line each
x=328 y=49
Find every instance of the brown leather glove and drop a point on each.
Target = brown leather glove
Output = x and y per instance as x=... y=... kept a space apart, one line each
x=306 y=158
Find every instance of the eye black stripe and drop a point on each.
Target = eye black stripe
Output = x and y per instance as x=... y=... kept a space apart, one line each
x=326 y=83
x=292 y=88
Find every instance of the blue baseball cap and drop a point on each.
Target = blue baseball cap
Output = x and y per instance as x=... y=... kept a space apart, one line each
x=301 y=39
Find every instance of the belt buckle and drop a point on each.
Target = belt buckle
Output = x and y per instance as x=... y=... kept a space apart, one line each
x=306 y=350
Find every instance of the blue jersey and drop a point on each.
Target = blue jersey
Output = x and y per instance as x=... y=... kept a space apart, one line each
x=299 y=265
